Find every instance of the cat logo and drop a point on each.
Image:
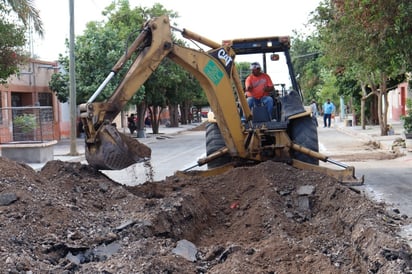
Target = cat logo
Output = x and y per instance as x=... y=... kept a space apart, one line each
x=221 y=54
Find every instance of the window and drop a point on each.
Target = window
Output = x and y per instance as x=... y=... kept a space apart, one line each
x=45 y=99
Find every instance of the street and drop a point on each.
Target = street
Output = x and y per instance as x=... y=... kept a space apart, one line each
x=169 y=154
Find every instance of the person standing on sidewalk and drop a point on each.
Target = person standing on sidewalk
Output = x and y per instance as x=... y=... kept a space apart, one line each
x=131 y=123
x=328 y=109
x=314 y=110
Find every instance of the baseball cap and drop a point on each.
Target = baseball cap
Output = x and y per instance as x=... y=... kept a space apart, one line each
x=255 y=65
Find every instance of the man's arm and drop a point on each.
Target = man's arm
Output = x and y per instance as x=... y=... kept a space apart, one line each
x=248 y=84
x=269 y=87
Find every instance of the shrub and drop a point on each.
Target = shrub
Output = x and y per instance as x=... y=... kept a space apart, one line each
x=25 y=122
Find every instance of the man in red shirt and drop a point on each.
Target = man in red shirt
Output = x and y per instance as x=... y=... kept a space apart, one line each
x=258 y=87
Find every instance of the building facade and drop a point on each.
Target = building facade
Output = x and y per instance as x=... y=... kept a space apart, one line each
x=397 y=101
x=27 y=94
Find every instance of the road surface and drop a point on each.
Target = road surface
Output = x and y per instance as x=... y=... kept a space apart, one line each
x=169 y=154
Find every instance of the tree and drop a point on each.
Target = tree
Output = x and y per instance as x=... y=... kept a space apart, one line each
x=100 y=47
x=155 y=96
x=12 y=34
x=175 y=93
x=26 y=12
x=305 y=52
x=11 y=52
x=369 y=39
x=191 y=95
x=59 y=84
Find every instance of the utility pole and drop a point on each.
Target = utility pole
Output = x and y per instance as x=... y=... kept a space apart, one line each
x=72 y=75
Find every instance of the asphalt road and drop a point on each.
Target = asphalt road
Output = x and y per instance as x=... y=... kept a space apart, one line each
x=170 y=153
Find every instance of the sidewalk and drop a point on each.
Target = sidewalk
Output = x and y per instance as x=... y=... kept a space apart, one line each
x=373 y=134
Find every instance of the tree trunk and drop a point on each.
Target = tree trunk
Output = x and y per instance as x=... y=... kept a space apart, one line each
x=174 y=115
x=155 y=112
x=141 y=114
x=363 y=99
x=382 y=97
x=382 y=113
x=185 y=113
x=154 y=124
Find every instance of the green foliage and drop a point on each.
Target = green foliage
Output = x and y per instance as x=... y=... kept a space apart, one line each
x=366 y=37
x=59 y=84
x=11 y=46
x=101 y=46
x=407 y=119
x=25 y=122
x=305 y=54
x=243 y=68
x=25 y=11
x=328 y=89
x=16 y=17
x=368 y=42
x=199 y=97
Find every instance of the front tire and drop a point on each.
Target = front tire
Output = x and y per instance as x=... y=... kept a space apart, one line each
x=214 y=142
x=304 y=132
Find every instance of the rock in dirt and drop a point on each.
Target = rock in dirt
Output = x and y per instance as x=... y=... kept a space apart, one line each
x=70 y=218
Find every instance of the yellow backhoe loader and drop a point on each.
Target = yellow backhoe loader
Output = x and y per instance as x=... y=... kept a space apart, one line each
x=234 y=135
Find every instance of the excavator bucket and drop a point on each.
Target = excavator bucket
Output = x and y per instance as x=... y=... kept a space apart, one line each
x=113 y=150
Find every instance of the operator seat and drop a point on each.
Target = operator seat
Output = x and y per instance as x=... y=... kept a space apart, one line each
x=260 y=114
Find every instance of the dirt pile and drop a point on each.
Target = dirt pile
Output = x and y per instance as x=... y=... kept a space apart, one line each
x=270 y=218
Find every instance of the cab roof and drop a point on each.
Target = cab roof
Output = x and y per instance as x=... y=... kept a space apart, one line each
x=270 y=44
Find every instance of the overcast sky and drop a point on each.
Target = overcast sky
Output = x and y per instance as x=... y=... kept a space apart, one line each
x=215 y=19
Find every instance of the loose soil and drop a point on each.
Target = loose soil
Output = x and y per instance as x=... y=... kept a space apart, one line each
x=367 y=151
x=268 y=218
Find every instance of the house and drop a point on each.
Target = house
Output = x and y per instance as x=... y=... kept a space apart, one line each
x=27 y=94
x=397 y=102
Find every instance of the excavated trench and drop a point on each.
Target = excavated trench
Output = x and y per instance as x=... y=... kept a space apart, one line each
x=269 y=218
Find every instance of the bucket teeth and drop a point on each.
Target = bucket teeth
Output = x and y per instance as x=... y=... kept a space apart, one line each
x=113 y=150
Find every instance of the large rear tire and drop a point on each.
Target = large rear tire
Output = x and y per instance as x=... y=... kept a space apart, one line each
x=304 y=132
x=214 y=142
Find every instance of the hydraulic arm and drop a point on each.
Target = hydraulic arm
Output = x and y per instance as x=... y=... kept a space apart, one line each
x=214 y=70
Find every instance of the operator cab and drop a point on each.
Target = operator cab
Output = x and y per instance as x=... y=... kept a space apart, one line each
x=273 y=49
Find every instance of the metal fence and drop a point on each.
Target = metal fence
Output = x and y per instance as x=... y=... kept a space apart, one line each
x=27 y=124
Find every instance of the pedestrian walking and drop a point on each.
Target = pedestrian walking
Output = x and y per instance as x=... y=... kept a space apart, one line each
x=328 y=110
